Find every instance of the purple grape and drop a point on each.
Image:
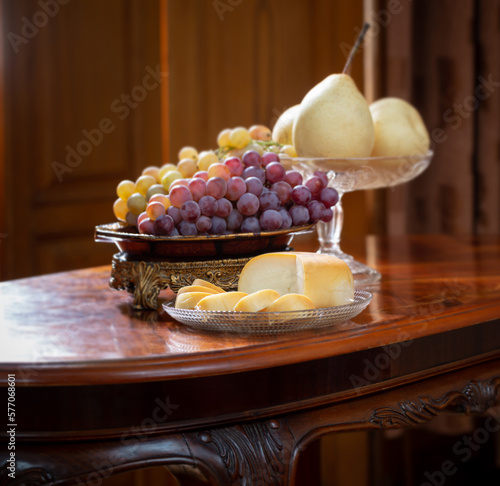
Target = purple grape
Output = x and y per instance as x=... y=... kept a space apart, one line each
x=300 y=215
x=248 y=204
x=270 y=220
x=187 y=229
x=208 y=205
x=204 y=224
x=234 y=165
x=216 y=187
x=269 y=157
x=329 y=197
x=251 y=158
x=174 y=232
x=275 y=172
x=190 y=211
x=218 y=226
x=284 y=191
x=224 y=208
x=315 y=185
x=287 y=219
x=269 y=200
x=234 y=220
x=250 y=225
x=175 y=214
x=254 y=185
x=146 y=227
x=164 y=225
x=301 y=195
x=236 y=187
x=131 y=218
x=315 y=208
x=293 y=177
x=322 y=175
x=253 y=171
x=326 y=215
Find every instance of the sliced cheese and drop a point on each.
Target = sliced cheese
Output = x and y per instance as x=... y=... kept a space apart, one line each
x=210 y=285
x=220 y=302
x=325 y=279
x=188 y=300
x=195 y=288
x=290 y=302
x=256 y=301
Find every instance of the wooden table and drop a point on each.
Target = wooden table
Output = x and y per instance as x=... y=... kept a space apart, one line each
x=100 y=389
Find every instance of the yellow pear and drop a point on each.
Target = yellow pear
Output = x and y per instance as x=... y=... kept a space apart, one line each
x=399 y=129
x=334 y=120
x=282 y=130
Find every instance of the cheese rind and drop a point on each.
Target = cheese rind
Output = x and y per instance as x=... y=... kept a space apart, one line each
x=290 y=302
x=257 y=301
x=220 y=302
x=188 y=300
x=325 y=279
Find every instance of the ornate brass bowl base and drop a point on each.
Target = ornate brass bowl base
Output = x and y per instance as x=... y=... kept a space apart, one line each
x=145 y=279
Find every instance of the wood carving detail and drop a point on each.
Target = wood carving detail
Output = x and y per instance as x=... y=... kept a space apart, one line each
x=252 y=454
x=477 y=397
x=30 y=477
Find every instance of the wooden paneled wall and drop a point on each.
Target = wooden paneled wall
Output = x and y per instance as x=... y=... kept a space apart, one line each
x=82 y=112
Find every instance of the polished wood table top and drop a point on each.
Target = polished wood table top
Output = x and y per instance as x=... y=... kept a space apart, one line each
x=435 y=312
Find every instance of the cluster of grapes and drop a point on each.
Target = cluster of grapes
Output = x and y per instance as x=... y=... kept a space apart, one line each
x=247 y=195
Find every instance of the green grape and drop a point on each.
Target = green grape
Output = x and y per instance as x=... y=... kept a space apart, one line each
x=136 y=203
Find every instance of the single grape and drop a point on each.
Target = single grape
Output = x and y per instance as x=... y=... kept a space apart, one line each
x=294 y=178
x=251 y=158
x=202 y=174
x=141 y=216
x=275 y=172
x=120 y=208
x=152 y=170
x=270 y=220
x=187 y=167
x=315 y=185
x=143 y=183
x=260 y=132
x=219 y=170
x=218 y=226
x=179 y=195
x=299 y=214
x=164 y=199
x=216 y=187
x=204 y=224
x=234 y=220
x=329 y=197
x=315 y=208
x=164 y=169
x=188 y=153
x=224 y=208
x=147 y=227
x=269 y=157
x=187 y=229
x=154 y=210
x=301 y=195
x=174 y=232
x=239 y=137
x=254 y=171
x=179 y=182
x=125 y=189
x=170 y=177
x=322 y=175
x=131 y=219
x=163 y=225
x=248 y=204
x=250 y=225
x=326 y=215
x=223 y=137
x=254 y=185
x=208 y=205
x=206 y=159
x=269 y=200
x=287 y=219
x=136 y=203
x=198 y=188
x=235 y=166
x=175 y=214
x=236 y=187
x=190 y=211
x=284 y=191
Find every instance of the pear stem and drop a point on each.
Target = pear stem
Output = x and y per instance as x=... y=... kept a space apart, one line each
x=355 y=48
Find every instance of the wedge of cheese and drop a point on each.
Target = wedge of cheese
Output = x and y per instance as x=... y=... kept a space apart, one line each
x=195 y=288
x=220 y=302
x=188 y=300
x=257 y=301
x=325 y=279
x=210 y=285
x=290 y=302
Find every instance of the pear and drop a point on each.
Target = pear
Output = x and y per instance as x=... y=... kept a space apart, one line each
x=282 y=130
x=334 y=120
x=399 y=129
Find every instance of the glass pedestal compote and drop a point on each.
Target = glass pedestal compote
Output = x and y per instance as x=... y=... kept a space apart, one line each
x=352 y=174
